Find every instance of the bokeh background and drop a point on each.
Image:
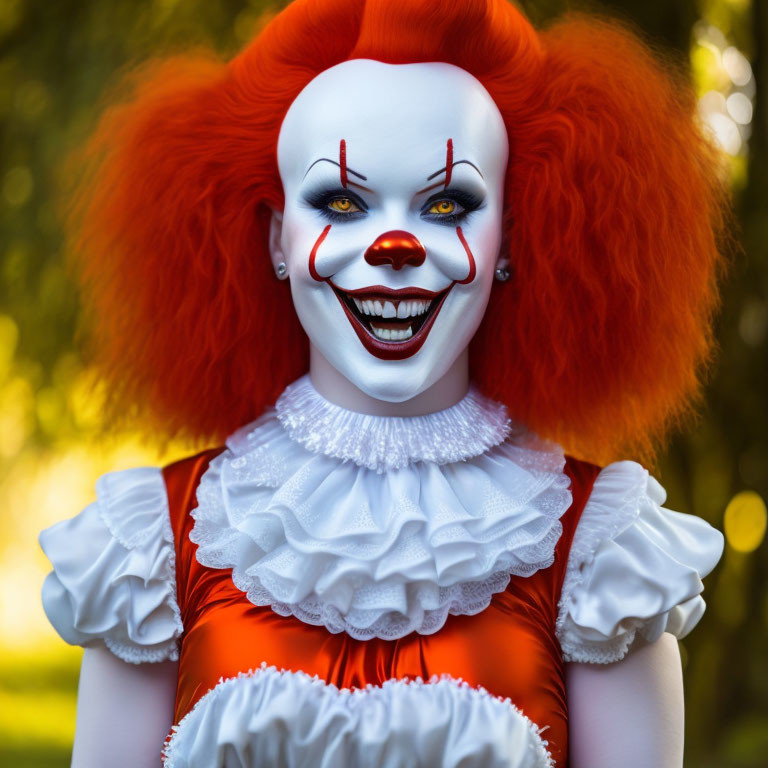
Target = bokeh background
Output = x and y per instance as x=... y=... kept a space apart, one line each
x=57 y=58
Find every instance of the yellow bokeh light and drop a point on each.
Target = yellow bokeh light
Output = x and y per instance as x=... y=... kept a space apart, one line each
x=50 y=410
x=745 y=521
x=86 y=399
x=707 y=67
x=16 y=408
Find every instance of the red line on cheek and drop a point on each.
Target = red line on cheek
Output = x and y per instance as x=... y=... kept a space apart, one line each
x=313 y=253
x=472 y=269
x=343 y=162
x=448 y=162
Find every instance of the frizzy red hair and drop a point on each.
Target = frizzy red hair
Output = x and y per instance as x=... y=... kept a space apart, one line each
x=612 y=216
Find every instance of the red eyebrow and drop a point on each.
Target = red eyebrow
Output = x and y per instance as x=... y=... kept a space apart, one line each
x=448 y=161
x=448 y=170
x=343 y=162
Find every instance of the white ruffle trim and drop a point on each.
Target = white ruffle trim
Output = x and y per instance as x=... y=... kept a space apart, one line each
x=114 y=577
x=376 y=554
x=271 y=717
x=464 y=430
x=634 y=569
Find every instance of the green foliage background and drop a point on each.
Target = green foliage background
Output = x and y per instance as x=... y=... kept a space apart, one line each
x=56 y=59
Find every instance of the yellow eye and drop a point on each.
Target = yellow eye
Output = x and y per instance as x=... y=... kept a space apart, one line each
x=443 y=207
x=343 y=205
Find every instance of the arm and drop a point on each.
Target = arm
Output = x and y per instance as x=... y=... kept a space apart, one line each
x=628 y=713
x=124 y=711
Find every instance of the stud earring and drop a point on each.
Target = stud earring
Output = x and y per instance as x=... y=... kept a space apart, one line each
x=282 y=270
x=501 y=274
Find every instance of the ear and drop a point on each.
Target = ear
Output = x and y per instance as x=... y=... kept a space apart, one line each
x=502 y=262
x=275 y=243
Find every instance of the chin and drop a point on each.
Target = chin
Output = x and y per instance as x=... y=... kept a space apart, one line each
x=394 y=381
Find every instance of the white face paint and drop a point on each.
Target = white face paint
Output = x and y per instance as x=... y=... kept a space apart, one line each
x=393 y=178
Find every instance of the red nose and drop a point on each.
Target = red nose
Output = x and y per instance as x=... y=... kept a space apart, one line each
x=396 y=248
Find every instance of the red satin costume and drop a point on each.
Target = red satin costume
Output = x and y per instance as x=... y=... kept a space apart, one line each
x=510 y=648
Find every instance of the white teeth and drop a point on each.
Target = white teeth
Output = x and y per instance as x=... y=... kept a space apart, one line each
x=384 y=308
x=387 y=334
x=411 y=308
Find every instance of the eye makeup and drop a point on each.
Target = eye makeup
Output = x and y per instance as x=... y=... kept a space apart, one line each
x=322 y=199
x=338 y=204
x=465 y=202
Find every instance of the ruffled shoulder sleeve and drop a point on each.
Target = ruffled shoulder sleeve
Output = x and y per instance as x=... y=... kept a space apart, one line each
x=634 y=570
x=113 y=580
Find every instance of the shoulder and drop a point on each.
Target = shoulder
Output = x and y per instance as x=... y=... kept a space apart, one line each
x=196 y=462
x=113 y=581
x=635 y=568
x=182 y=479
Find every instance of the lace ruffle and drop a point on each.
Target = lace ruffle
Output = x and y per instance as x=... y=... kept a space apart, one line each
x=376 y=554
x=634 y=568
x=272 y=717
x=114 y=577
x=467 y=429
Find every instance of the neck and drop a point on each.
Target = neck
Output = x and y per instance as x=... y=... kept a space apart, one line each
x=448 y=390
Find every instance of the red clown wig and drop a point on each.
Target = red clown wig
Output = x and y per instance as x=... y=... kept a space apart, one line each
x=613 y=211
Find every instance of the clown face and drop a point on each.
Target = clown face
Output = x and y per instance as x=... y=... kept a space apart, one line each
x=393 y=178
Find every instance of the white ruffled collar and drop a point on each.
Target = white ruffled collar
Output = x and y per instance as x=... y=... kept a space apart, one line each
x=313 y=525
x=466 y=429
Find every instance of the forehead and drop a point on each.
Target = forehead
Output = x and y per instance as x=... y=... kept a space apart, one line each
x=391 y=115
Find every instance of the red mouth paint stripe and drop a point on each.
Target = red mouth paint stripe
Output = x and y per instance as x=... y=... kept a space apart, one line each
x=343 y=162
x=312 y=271
x=472 y=268
x=448 y=162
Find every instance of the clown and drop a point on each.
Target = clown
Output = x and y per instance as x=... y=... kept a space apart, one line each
x=421 y=276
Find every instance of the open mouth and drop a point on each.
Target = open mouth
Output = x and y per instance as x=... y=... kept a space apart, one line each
x=391 y=324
